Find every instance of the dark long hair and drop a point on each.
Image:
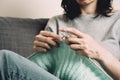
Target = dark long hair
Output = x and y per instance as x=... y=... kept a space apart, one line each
x=72 y=8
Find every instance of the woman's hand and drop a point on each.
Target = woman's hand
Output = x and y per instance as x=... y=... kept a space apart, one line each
x=44 y=40
x=84 y=44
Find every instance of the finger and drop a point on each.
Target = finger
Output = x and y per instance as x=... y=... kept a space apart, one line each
x=48 y=40
x=80 y=52
x=73 y=31
x=75 y=40
x=71 y=36
x=77 y=47
x=51 y=34
x=41 y=38
x=42 y=44
x=37 y=48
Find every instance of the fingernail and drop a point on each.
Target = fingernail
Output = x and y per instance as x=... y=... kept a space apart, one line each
x=61 y=39
x=58 y=44
x=49 y=48
x=44 y=50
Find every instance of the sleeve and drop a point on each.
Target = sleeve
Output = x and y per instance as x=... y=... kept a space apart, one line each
x=52 y=24
x=118 y=34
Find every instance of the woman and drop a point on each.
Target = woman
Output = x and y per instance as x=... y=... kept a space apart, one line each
x=95 y=28
x=95 y=34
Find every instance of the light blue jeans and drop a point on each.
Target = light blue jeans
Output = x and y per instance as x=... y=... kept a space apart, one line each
x=16 y=67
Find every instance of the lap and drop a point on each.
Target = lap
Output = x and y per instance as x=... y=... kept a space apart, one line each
x=22 y=67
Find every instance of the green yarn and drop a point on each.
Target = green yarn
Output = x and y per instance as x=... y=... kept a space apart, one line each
x=65 y=64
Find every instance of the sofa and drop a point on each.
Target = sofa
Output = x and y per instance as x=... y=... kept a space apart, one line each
x=17 y=34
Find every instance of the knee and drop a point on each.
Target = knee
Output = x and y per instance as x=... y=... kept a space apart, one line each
x=4 y=53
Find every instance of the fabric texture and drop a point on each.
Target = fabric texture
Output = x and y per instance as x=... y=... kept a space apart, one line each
x=16 y=67
x=17 y=34
x=65 y=64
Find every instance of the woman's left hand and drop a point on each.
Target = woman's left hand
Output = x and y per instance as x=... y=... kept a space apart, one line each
x=84 y=44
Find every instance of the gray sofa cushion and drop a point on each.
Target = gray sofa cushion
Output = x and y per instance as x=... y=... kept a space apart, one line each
x=17 y=34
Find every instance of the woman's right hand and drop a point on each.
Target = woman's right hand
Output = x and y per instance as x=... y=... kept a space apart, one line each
x=44 y=39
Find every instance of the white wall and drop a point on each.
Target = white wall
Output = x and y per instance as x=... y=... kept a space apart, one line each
x=30 y=8
x=34 y=8
x=116 y=4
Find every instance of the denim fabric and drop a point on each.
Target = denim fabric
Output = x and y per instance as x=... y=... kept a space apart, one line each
x=16 y=67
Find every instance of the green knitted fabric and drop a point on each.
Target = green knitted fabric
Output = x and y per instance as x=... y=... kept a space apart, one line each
x=65 y=64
